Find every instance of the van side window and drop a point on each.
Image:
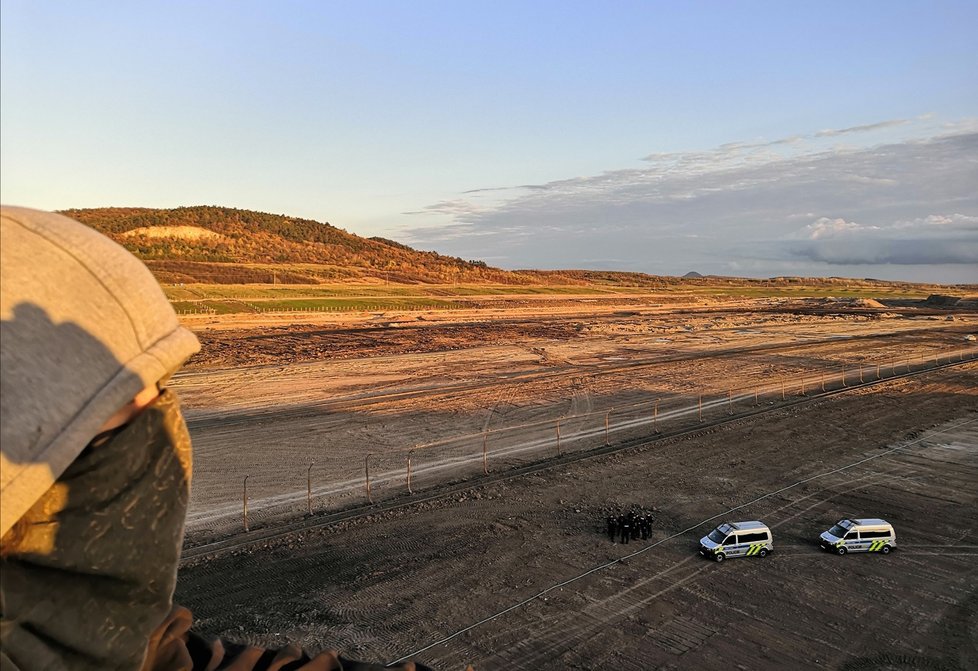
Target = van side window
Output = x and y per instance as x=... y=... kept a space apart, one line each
x=731 y=540
x=851 y=536
x=754 y=537
x=874 y=534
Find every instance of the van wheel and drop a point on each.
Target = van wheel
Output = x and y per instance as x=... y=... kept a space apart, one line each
x=762 y=553
x=885 y=549
x=841 y=549
x=720 y=556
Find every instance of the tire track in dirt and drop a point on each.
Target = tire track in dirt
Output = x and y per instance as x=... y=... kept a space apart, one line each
x=580 y=405
x=563 y=635
x=230 y=511
x=422 y=600
x=441 y=392
x=568 y=633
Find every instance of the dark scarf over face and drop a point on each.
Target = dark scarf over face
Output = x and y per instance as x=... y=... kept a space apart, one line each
x=93 y=572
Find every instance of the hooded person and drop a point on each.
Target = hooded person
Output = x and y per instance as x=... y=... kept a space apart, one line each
x=95 y=462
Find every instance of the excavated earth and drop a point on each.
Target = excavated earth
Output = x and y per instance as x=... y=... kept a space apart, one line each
x=518 y=573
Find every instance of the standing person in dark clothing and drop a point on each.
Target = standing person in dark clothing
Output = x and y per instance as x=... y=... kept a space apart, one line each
x=634 y=526
x=626 y=529
x=612 y=527
x=646 y=526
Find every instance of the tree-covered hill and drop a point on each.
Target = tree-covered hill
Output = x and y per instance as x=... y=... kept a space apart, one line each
x=223 y=245
x=227 y=245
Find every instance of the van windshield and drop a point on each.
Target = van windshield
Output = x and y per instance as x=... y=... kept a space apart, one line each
x=717 y=536
x=838 y=531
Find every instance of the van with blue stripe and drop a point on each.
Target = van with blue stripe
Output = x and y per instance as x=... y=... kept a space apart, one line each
x=859 y=535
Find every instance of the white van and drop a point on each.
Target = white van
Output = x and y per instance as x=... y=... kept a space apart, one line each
x=737 y=539
x=862 y=535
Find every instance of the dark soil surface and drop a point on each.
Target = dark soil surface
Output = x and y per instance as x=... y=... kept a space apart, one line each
x=313 y=342
x=393 y=584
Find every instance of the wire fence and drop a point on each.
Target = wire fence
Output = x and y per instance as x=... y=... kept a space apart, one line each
x=334 y=484
x=245 y=307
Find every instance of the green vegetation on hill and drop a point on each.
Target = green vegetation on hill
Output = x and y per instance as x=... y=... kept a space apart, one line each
x=230 y=246
x=200 y=246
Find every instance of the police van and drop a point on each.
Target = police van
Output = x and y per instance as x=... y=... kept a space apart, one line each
x=737 y=539
x=862 y=535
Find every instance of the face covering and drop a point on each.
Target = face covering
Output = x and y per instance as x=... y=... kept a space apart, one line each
x=94 y=570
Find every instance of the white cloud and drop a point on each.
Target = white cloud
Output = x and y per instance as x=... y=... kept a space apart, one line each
x=931 y=225
x=759 y=204
x=936 y=238
x=825 y=227
x=963 y=221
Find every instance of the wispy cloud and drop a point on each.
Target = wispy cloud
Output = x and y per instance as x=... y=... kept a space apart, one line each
x=457 y=208
x=835 y=132
x=934 y=239
x=799 y=200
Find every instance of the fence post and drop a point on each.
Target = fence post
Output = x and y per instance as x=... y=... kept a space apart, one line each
x=607 y=421
x=861 y=373
x=782 y=388
x=755 y=395
x=485 y=452
x=245 y=502
x=821 y=377
x=366 y=471
x=844 y=376
x=878 y=372
x=729 y=402
x=701 y=407
x=655 y=417
x=558 y=436
x=309 y=489
x=802 y=386
x=409 y=471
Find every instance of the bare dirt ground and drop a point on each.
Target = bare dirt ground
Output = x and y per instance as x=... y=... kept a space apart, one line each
x=445 y=392
x=394 y=583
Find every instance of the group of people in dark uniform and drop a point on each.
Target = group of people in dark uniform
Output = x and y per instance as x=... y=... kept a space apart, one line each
x=629 y=527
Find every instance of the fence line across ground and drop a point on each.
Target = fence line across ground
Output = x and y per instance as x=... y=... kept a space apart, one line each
x=754 y=391
x=408 y=471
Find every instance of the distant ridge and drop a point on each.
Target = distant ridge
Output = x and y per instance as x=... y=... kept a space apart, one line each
x=228 y=245
x=224 y=245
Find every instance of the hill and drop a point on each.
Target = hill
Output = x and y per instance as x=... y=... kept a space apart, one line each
x=223 y=245
x=231 y=246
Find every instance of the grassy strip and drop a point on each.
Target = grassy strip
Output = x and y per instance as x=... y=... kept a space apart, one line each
x=271 y=293
x=803 y=292
x=244 y=298
x=191 y=292
x=312 y=305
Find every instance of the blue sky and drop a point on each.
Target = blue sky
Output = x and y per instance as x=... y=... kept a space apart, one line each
x=735 y=138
